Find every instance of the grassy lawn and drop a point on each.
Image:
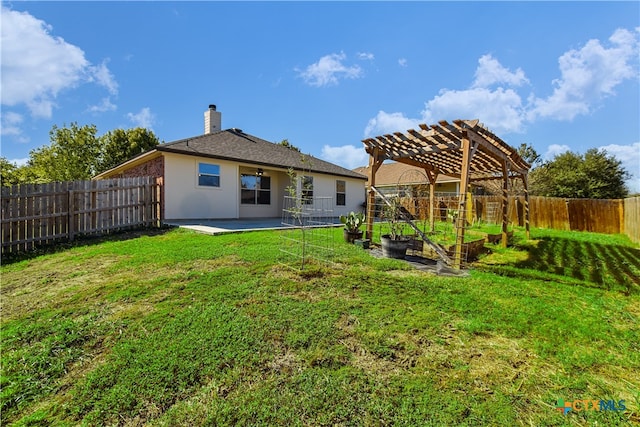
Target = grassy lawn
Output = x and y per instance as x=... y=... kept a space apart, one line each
x=179 y=328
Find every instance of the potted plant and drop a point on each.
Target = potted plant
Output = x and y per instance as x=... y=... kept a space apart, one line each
x=394 y=244
x=352 y=224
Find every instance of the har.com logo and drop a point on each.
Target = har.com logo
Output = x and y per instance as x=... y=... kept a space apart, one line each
x=589 y=405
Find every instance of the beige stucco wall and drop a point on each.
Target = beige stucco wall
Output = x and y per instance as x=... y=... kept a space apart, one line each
x=185 y=199
x=324 y=186
x=448 y=187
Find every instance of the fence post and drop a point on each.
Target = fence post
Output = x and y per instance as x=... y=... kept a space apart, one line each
x=148 y=200
x=70 y=215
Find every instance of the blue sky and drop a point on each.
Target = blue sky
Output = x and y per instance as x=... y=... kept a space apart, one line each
x=557 y=75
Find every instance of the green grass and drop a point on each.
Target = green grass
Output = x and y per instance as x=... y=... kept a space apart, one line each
x=444 y=231
x=179 y=328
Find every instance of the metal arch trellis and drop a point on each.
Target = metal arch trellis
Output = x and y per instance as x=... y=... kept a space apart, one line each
x=413 y=186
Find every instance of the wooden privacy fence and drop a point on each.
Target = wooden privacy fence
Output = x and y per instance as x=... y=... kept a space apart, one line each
x=597 y=215
x=38 y=214
x=632 y=218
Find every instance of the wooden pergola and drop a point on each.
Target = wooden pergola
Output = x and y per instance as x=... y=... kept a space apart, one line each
x=463 y=149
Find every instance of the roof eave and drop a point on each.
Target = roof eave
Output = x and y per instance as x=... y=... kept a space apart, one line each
x=259 y=163
x=141 y=158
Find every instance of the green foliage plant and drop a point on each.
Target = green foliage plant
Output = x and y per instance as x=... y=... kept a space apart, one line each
x=392 y=214
x=353 y=221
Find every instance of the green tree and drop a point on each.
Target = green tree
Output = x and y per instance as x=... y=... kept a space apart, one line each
x=286 y=143
x=73 y=154
x=529 y=154
x=594 y=175
x=12 y=174
x=120 y=145
x=8 y=170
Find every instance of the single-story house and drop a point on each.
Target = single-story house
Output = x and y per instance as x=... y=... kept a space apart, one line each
x=392 y=177
x=230 y=174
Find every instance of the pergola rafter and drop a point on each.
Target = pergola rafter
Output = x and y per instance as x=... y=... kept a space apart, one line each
x=464 y=149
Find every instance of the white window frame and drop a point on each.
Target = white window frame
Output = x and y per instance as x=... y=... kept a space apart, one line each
x=344 y=193
x=208 y=174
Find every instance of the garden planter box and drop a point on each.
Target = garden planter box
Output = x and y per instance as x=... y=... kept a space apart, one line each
x=471 y=249
x=497 y=237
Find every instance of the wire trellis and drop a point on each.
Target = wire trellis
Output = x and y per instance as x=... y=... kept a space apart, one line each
x=309 y=233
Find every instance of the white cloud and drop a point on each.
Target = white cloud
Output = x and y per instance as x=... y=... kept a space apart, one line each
x=328 y=70
x=589 y=75
x=501 y=109
x=365 y=56
x=385 y=122
x=144 y=118
x=104 y=77
x=403 y=62
x=490 y=72
x=10 y=123
x=555 y=149
x=103 y=106
x=347 y=156
x=37 y=66
x=629 y=156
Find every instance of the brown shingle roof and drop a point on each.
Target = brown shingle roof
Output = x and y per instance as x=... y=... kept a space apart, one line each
x=394 y=173
x=233 y=144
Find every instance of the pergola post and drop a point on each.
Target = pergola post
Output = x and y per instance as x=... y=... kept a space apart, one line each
x=505 y=202
x=432 y=176
x=374 y=165
x=464 y=183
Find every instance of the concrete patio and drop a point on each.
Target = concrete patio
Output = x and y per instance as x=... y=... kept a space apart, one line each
x=222 y=226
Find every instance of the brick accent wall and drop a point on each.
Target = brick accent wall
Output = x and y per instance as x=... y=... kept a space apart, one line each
x=154 y=168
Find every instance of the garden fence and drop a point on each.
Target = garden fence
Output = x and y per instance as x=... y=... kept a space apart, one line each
x=596 y=215
x=39 y=214
x=609 y=216
x=632 y=218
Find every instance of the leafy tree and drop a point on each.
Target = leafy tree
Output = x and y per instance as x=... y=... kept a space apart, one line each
x=72 y=155
x=8 y=172
x=286 y=143
x=120 y=145
x=76 y=153
x=529 y=154
x=594 y=175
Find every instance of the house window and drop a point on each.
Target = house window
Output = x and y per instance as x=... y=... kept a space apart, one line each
x=255 y=190
x=307 y=190
x=341 y=193
x=208 y=175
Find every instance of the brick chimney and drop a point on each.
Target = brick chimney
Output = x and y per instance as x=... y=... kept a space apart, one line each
x=212 y=120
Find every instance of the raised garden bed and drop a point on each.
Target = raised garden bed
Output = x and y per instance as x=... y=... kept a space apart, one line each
x=471 y=248
x=497 y=237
